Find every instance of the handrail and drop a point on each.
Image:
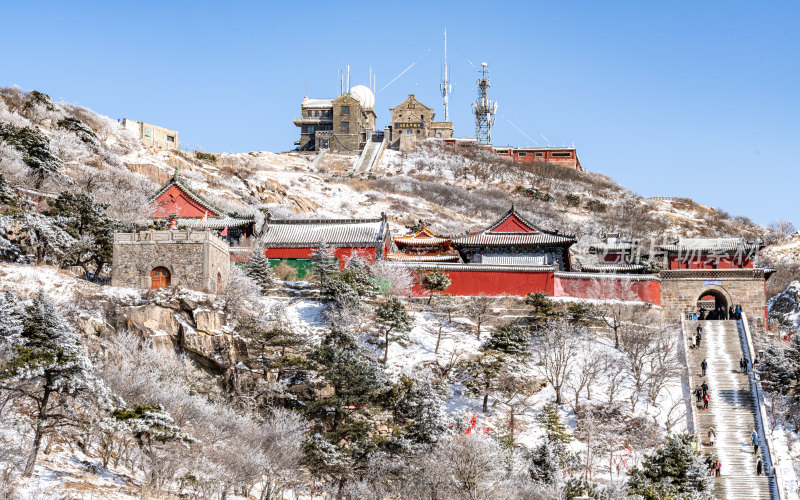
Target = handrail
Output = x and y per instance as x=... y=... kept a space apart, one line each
x=755 y=383
x=692 y=409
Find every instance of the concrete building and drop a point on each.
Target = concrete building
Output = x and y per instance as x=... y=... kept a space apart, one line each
x=151 y=135
x=198 y=260
x=412 y=122
x=343 y=124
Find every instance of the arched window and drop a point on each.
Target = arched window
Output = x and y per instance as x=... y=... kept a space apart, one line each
x=219 y=280
x=159 y=277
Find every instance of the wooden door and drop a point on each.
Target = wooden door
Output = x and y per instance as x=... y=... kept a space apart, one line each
x=159 y=277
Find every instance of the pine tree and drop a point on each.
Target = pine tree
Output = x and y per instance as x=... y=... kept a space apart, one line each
x=7 y=195
x=481 y=376
x=672 y=471
x=435 y=281
x=508 y=339
x=86 y=221
x=544 y=309
x=259 y=270
x=323 y=262
x=10 y=319
x=51 y=372
x=775 y=370
x=544 y=464
x=554 y=428
x=792 y=356
x=418 y=411
x=35 y=148
x=395 y=323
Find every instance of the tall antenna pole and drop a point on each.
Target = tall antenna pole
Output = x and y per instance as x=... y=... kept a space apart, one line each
x=445 y=86
x=348 y=79
x=484 y=109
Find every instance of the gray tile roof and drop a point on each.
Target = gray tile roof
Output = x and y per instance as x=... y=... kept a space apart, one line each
x=614 y=268
x=287 y=233
x=491 y=237
x=688 y=245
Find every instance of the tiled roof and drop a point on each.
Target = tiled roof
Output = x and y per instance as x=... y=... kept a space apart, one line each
x=422 y=237
x=608 y=276
x=441 y=257
x=614 y=268
x=289 y=233
x=477 y=267
x=175 y=181
x=687 y=245
x=491 y=237
x=514 y=260
x=512 y=239
x=217 y=222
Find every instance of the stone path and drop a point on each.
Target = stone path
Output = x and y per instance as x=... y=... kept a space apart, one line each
x=732 y=411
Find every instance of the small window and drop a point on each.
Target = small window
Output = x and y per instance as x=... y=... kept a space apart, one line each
x=308 y=113
x=561 y=155
x=148 y=132
x=345 y=126
x=438 y=134
x=324 y=143
x=421 y=117
x=538 y=155
x=170 y=138
x=345 y=110
x=408 y=131
x=418 y=131
x=316 y=112
x=522 y=154
x=311 y=129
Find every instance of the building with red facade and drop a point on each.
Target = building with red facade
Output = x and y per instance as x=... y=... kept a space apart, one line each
x=566 y=156
x=423 y=246
x=513 y=240
x=294 y=240
x=178 y=205
x=615 y=255
x=710 y=253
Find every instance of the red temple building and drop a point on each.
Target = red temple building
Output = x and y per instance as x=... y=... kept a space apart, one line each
x=178 y=205
x=710 y=253
x=293 y=240
x=615 y=255
x=424 y=246
x=513 y=240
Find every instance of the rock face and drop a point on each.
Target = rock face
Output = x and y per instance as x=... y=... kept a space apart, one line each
x=199 y=329
x=787 y=303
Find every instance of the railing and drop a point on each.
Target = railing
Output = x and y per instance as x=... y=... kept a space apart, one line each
x=763 y=420
x=685 y=347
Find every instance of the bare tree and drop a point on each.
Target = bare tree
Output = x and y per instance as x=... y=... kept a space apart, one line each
x=479 y=310
x=587 y=369
x=557 y=348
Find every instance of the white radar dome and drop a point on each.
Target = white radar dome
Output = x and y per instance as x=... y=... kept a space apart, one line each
x=364 y=95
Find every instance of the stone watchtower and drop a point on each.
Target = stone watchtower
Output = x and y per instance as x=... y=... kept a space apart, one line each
x=197 y=260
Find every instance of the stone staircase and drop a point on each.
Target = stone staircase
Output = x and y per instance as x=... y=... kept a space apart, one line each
x=732 y=412
x=369 y=155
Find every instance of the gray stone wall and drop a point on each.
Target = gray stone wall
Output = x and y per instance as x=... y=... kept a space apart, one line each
x=680 y=291
x=195 y=259
x=351 y=139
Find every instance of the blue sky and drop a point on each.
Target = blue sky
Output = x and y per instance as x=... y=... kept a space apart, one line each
x=691 y=99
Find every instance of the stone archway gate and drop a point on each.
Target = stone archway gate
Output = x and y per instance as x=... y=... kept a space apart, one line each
x=681 y=288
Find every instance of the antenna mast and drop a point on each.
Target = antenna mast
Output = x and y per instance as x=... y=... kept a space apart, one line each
x=445 y=86
x=484 y=109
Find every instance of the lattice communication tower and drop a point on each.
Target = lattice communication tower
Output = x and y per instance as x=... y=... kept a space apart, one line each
x=484 y=109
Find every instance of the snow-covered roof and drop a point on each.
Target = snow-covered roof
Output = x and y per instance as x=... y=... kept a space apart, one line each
x=217 y=222
x=687 y=245
x=317 y=103
x=513 y=229
x=438 y=257
x=614 y=268
x=423 y=237
x=287 y=233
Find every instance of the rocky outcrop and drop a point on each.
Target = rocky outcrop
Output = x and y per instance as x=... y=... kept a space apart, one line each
x=196 y=328
x=787 y=304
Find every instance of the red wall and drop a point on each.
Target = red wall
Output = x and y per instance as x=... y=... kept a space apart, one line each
x=708 y=262
x=494 y=283
x=175 y=200
x=341 y=253
x=607 y=288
